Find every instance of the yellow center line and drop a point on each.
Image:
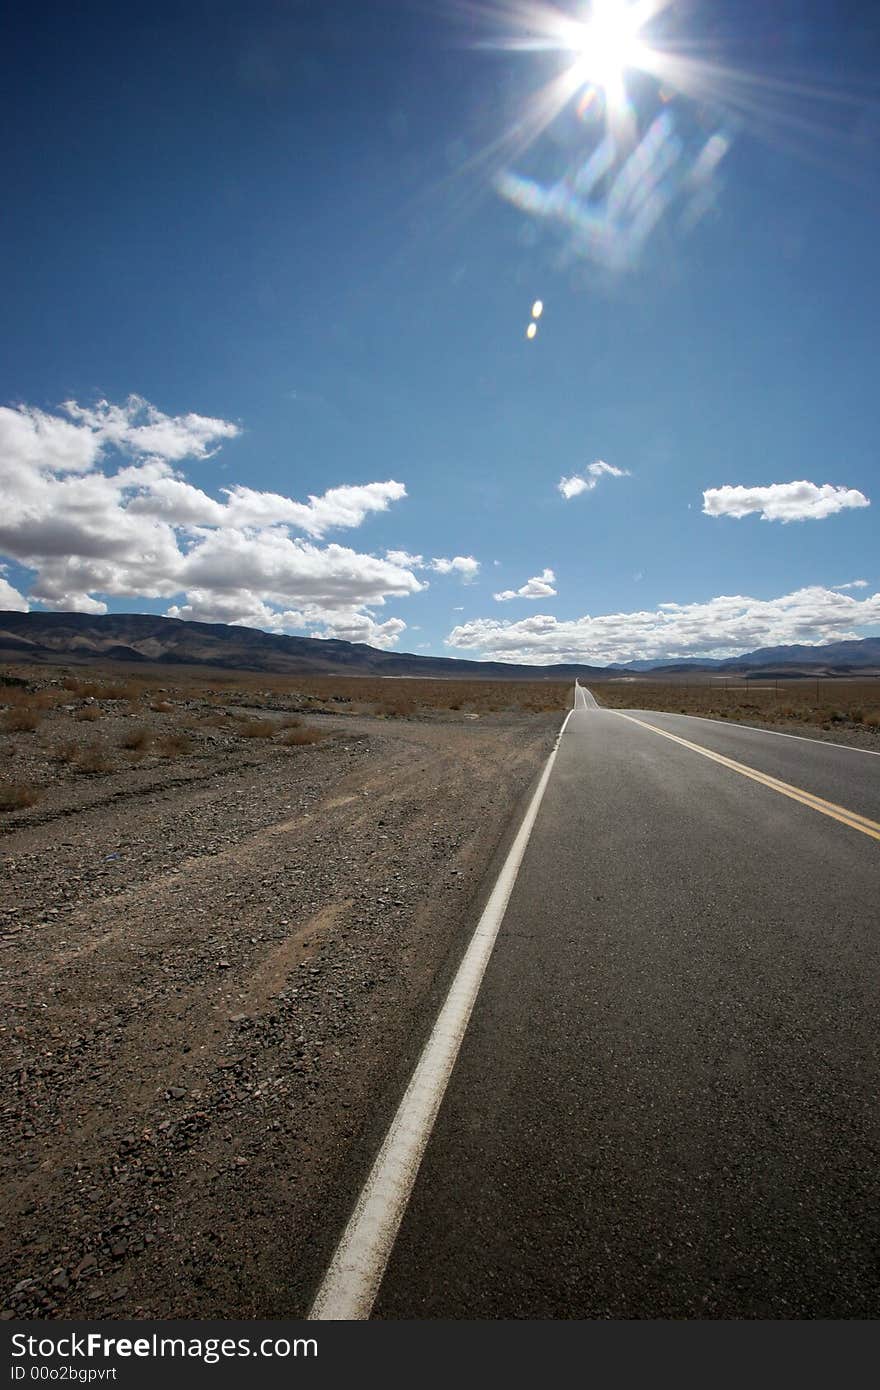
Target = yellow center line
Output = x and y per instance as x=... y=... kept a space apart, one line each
x=816 y=803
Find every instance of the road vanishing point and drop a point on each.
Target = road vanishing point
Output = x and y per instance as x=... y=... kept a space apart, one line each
x=652 y=1091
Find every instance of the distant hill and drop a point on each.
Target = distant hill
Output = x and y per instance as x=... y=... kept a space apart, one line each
x=832 y=658
x=860 y=652
x=142 y=638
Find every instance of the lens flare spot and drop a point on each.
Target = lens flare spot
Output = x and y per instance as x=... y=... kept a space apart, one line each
x=537 y=308
x=589 y=102
x=532 y=330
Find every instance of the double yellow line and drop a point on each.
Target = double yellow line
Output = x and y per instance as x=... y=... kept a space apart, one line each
x=816 y=803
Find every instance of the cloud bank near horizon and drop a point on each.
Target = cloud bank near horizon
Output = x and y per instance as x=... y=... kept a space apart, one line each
x=721 y=627
x=95 y=504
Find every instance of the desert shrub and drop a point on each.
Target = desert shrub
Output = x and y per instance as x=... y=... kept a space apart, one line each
x=88 y=714
x=214 y=718
x=125 y=690
x=135 y=738
x=294 y=738
x=172 y=745
x=20 y=721
x=872 y=719
x=16 y=697
x=258 y=728
x=14 y=796
x=399 y=709
x=64 y=752
x=92 y=762
x=20 y=697
x=85 y=689
x=112 y=690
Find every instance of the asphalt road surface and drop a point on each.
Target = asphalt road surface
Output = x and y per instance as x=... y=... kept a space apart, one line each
x=666 y=1102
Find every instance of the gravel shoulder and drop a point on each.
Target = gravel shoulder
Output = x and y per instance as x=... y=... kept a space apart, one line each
x=218 y=972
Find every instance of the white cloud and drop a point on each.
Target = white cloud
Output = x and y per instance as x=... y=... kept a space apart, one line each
x=589 y=479
x=31 y=439
x=10 y=599
x=853 y=584
x=798 y=501
x=339 y=507
x=239 y=608
x=540 y=586
x=404 y=559
x=74 y=602
x=94 y=504
x=291 y=571
x=360 y=627
x=465 y=565
x=721 y=627
x=139 y=428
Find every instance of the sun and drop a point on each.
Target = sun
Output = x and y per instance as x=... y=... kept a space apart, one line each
x=606 y=46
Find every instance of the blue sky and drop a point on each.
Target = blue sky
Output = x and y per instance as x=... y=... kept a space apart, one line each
x=258 y=254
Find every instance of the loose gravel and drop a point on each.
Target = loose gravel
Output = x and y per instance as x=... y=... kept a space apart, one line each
x=219 y=967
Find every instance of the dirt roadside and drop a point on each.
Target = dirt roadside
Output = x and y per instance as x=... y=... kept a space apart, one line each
x=216 y=977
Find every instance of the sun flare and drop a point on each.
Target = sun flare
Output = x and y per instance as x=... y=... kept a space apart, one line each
x=606 y=46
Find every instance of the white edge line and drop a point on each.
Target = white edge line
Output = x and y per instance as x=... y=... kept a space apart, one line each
x=777 y=733
x=352 y=1280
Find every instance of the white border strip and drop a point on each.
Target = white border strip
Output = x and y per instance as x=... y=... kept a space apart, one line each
x=350 y=1286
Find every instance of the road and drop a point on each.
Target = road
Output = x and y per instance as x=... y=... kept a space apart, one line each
x=665 y=1103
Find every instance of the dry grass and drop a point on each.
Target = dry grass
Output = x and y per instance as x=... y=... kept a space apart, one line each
x=214 y=719
x=825 y=704
x=400 y=698
x=20 y=721
x=92 y=762
x=135 y=739
x=15 y=796
x=408 y=696
x=174 y=745
x=103 y=690
x=88 y=714
x=22 y=697
x=258 y=728
x=295 y=738
x=65 y=751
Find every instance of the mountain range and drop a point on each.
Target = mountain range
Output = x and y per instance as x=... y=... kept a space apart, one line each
x=144 y=638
